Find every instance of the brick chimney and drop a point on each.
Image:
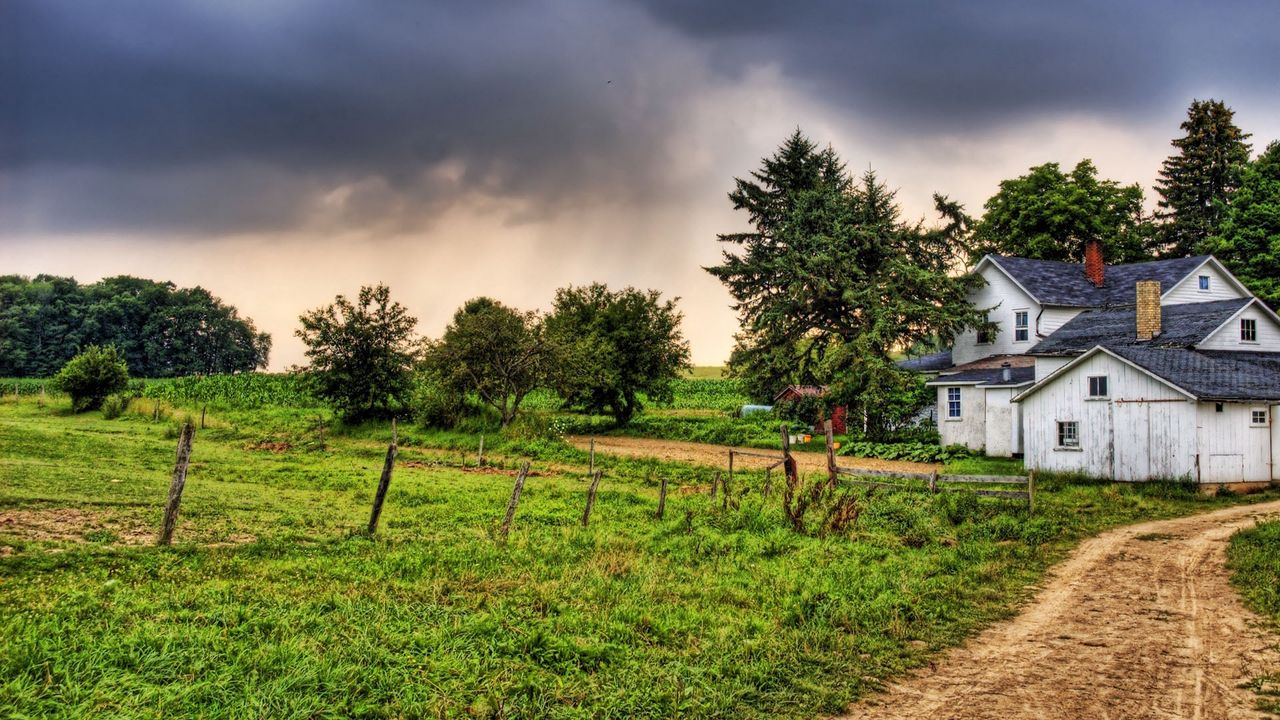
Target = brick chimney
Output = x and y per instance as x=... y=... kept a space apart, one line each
x=1094 y=268
x=1148 y=313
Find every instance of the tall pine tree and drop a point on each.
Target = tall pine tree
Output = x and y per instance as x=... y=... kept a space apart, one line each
x=1195 y=185
x=831 y=280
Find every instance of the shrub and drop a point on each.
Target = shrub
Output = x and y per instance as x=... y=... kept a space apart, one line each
x=914 y=451
x=114 y=406
x=91 y=376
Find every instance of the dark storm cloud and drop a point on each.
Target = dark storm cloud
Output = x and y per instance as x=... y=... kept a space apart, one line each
x=238 y=115
x=955 y=66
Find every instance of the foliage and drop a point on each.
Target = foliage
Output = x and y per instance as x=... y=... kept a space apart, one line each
x=706 y=393
x=433 y=619
x=616 y=346
x=913 y=451
x=160 y=330
x=242 y=390
x=114 y=406
x=1248 y=239
x=1255 y=570
x=361 y=353
x=1050 y=215
x=498 y=353
x=1196 y=184
x=831 y=280
x=91 y=376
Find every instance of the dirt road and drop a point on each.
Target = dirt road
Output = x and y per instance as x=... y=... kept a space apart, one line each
x=718 y=455
x=1139 y=622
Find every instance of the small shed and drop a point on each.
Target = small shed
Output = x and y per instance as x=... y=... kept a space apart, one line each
x=793 y=393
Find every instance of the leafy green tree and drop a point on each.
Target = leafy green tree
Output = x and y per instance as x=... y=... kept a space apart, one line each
x=361 y=353
x=497 y=352
x=831 y=280
x=1050 y=215
x=1196 y=184
x=614 y=347
x=91 y=376
x=1248 y=239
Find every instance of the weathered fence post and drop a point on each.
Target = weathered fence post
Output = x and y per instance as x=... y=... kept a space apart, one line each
x=724 y=490
x=1031 y=492
x=177 y=484
x=515 y=500
x=715 y=481
x=591 y=497
x=480 y=453
x=662 y=498
x=831 y=454
x=591 y=465
x=203 y=408
x=320 y=428
x=933 y=482
x=384 y=482
x=730 y=469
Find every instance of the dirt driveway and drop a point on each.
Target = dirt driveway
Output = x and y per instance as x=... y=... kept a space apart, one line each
x=1139 y=622
x=718 y=455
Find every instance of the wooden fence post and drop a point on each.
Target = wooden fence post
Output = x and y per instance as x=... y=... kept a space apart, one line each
x=384 y=482
x=933 y=482
x=831 y=454
x=515 y=500
x=591 y=466
x=662 y=498
x=730 y=471
x=1031 y=492
x=177 y=484
x=591 y=497
x=480 y=453
x=715 y=482
x=203 y=408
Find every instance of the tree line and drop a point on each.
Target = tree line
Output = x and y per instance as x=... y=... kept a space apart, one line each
x=157 y=328
x=831 y=281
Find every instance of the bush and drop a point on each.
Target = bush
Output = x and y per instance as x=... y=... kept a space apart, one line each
x=114 y=406
x=913 y=451
x=91 y=376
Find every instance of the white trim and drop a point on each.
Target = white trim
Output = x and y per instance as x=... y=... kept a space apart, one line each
x=1051 y=377
x=1252 y=301
x=1196 y=273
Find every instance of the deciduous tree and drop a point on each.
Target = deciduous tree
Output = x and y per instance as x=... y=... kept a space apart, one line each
x=1248 y=239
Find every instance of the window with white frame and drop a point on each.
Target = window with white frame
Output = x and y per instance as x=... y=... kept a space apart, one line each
x=1248 y=330
x=1204 y=282
x=1259 y=418
x=953 y=402
x=1068 y=434
x=1021 y=326
x=986 y=337
x=1098 y=386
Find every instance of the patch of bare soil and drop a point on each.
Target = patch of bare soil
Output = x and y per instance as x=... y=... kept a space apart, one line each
x=718 y=455
x=483 y=470
x=271 y=446
x=1140 y=622
x=81 y=525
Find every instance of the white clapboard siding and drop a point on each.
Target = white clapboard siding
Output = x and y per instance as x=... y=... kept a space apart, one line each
x=1053 y=318
x=1154 y=424
x=1188 y=289
x=1232 y=449
x=1003 y=423
x=1045 y=366
x=1005 y=297
x=970 y=428
x=1275 y=443
x=1227 y=337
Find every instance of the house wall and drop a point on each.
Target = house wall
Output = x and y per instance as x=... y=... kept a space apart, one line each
x=970 y=429
x=1053 y=318
x=1232 y=449
x=1188 y=289
x=1003 y=423
x=1153 y=426
x=1275 y=444
x=1004 y=297
x=1227 y=337
x=1047 y=365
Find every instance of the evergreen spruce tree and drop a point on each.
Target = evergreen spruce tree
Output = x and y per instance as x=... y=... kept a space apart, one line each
x=1195 y=185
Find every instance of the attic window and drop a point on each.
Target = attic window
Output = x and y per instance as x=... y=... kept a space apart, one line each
x=1021 y=326
x=1248 y=330
x=1098 y=386
x=1204 y=282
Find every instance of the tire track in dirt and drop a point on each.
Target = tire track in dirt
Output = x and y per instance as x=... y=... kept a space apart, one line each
x=1139 y=622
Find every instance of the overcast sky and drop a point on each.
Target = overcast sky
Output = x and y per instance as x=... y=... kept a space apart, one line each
x=278 y=153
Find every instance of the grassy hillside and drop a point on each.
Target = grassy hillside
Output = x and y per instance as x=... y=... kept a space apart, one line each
x=1255 y=567
x=273 y=604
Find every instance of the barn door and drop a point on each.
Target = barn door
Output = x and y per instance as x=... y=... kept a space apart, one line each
x=1130 y=446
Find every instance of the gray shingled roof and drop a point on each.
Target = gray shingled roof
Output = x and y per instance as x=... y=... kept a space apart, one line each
x=987 y=376
x=1212 y=376
x=1181 y=326
x=927 y=363
x=1063 y=283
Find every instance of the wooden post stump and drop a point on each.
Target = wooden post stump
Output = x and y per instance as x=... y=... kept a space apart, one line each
x=480 y=453
x=177 y=484
x=1031 y=492
x=662 y=498
x=591 y=498
x=591 y=465
x=203 y=408
x=515 y=501
x=384 y=482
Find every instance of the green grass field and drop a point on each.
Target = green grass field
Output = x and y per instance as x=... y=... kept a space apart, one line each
x=272 y=603
x=1255 y=570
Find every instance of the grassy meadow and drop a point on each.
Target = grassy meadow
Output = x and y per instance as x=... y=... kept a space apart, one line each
x=1255 y=570
x=273 y=603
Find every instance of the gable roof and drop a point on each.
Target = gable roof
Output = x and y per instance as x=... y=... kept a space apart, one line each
x=1203 y=375
x=1052 y=282
x=801 y=391
x=927 y=363
x=1180 y=326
